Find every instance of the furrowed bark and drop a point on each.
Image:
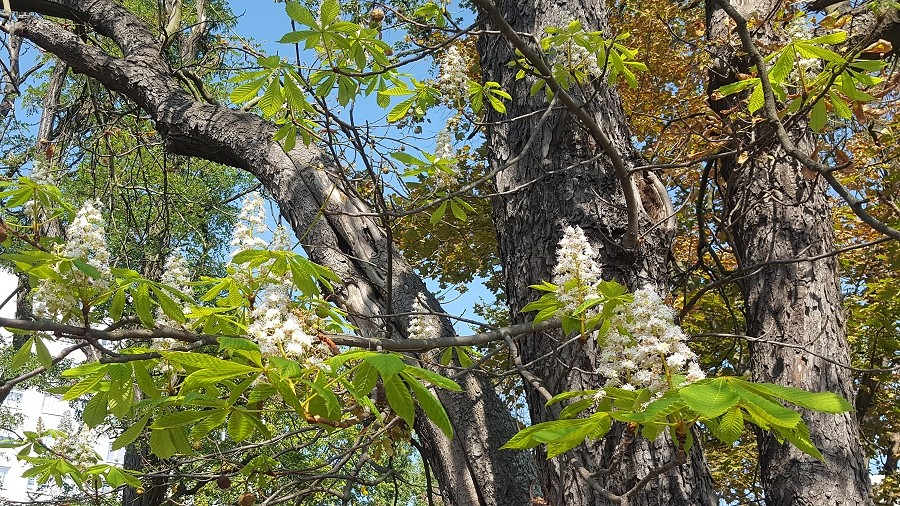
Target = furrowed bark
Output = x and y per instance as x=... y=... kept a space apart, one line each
x=322 y=214
x=778 y=211
x=576 y=185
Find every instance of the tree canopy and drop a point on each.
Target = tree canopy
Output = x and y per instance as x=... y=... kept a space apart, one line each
x=683 y=220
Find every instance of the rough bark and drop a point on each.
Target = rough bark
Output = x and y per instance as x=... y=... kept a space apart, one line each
x=322 y=214
x=574 y=186
x=777 y=212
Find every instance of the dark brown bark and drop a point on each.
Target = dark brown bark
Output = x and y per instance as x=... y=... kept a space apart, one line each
x=138 y=457
x=323 y=215
x=777 y=212
x=574 y=186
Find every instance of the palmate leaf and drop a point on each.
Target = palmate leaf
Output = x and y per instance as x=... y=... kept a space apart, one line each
x=799 y=437
x=430 y=404
x=772 y=413
x=400 y=399
x=388 y=365
x=710 y=398
x=561 y=435
x=826 y=402
x=730 y=426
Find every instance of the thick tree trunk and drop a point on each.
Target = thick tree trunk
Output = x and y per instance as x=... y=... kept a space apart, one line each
x=778 y=215
x=572 y=186
x=327 y=218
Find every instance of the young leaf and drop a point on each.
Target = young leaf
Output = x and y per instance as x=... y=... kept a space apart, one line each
x=430 y=405
x=131 y=433
x=388 y=365
x=240 y=425
x=161 y=444
x=400 y=399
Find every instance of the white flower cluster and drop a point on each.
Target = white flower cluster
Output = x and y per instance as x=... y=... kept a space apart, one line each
x=423 y=326
x=274 y=323
x=86 y=240
x=41 y=173
x=644 y=347
x=251 y=222
x=453 y=78
x=576 y=273
x=86 y=237
x=575 y=57
x=76 y=446
x=276 y=328
x=800 y=28
x=177 y=275
x=443 y=147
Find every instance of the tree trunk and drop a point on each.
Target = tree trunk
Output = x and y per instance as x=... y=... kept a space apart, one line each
x=325 y=216
x=572 y=187
x=778 y=215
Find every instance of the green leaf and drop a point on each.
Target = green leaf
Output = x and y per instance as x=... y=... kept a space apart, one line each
x=179 y=418
x=131 y=433
x=757 y=99
x=818 y=116
x=86 y=268
x=458 y=212
x=544 y=432
x=799 y=437
x=576 y=408
x=830 y=39
x=203 y=361
x=364 y=379
x=246 y=91
x=731 y=426
x=771 y=412
x=570 y=395
x=170 y=308
x=240 y=425
x=236 y=343
x=430 y=405
x=783 y=66
x=710 y=398
x=735 y=87
x=840 y=107
x=84 y=386
x=206 y=377
x=811 y=51
x=22 y=355
x=433 y=378
x=300 y=14
x=438 y=214
x=144 y=380
x=400 y=110
x=329 y=11
x=142 y=304
x=117 y=306
x=43 y=354
x=388 y=365
x=324 y=402
x=205 y=426
x=400 y=399
x=95 y=410
x=826 y=402
x=161 y=444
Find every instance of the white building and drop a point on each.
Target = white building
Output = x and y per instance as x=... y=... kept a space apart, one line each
x=34 y=405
